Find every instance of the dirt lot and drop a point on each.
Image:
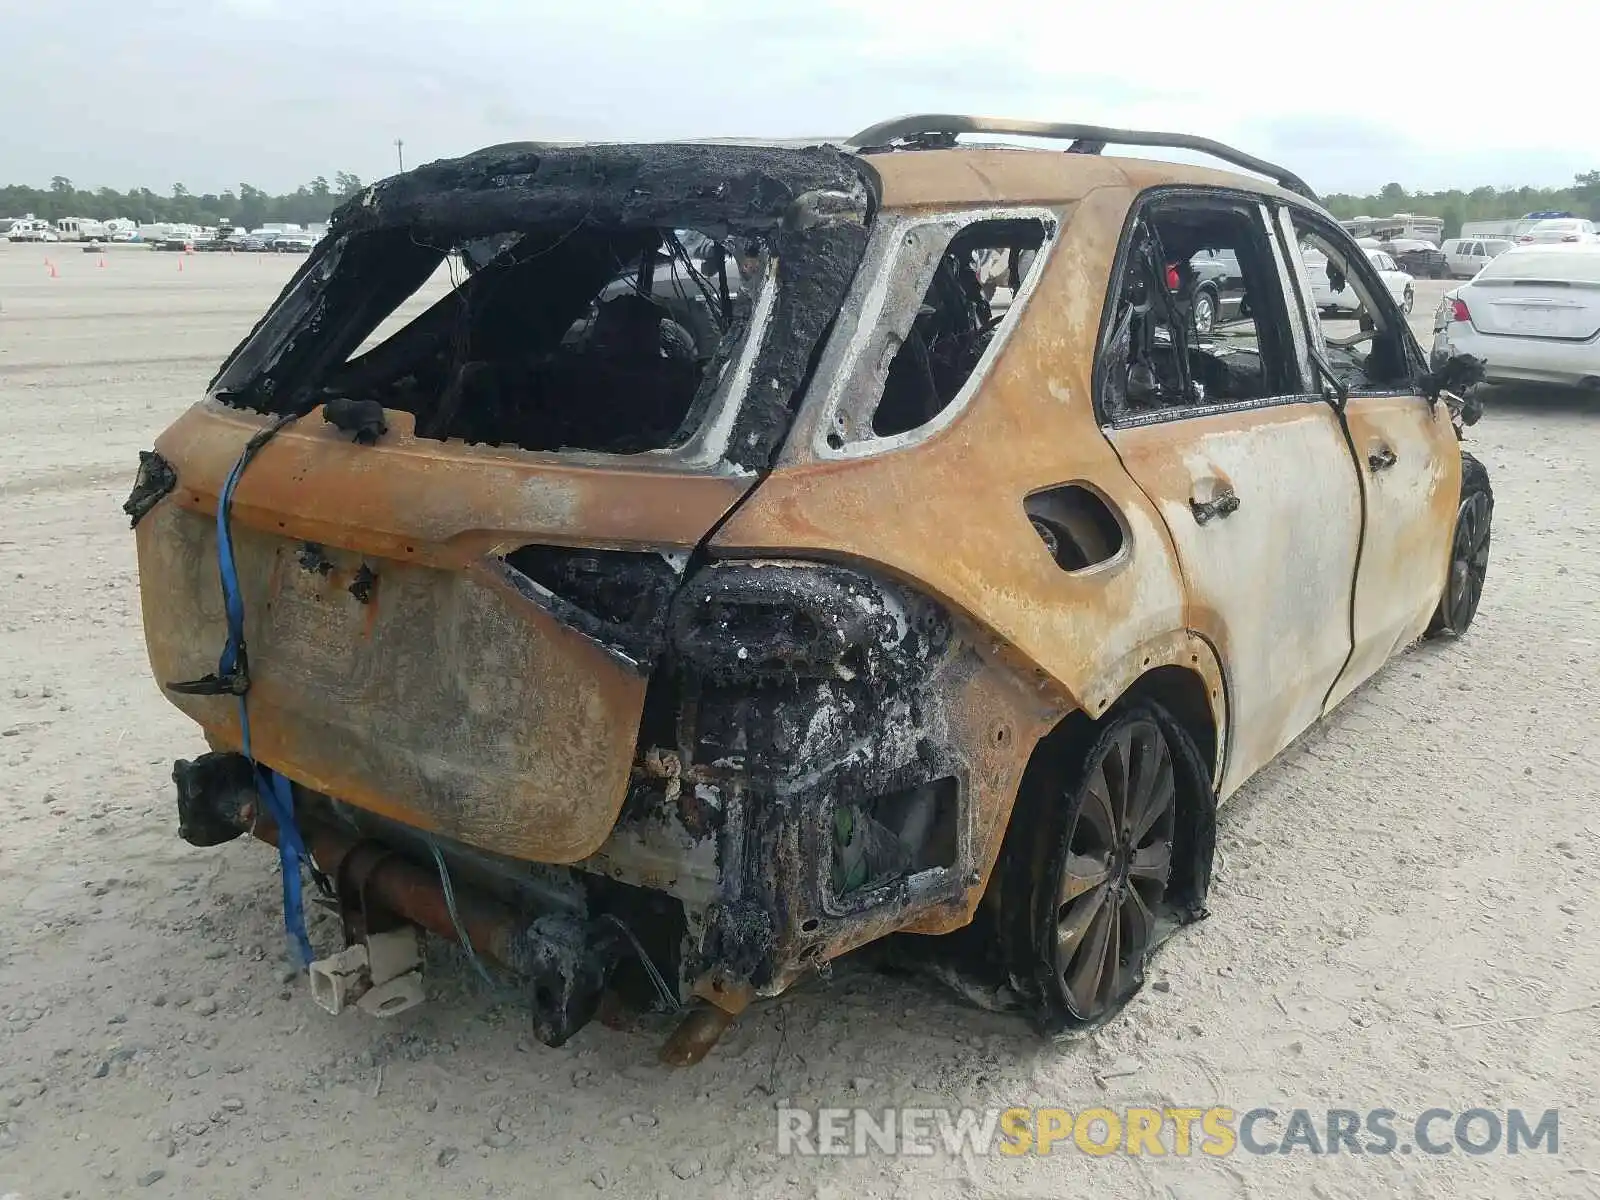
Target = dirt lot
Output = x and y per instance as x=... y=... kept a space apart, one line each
x=1419 y=861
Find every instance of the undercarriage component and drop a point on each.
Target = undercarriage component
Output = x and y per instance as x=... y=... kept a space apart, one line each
x=216 y=798
x=384 y=897
x=695 y=1035
x=567 y=967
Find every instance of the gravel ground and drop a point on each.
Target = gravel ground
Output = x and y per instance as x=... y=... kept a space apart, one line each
x=1419 y=861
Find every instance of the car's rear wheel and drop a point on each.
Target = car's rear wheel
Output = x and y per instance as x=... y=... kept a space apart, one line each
x=1205 y=312
x=1469 y=552
x=1410 y=301
x=1109 y=851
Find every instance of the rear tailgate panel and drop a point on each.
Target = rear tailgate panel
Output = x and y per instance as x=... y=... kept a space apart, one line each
x=447 y=701
x=451 y=698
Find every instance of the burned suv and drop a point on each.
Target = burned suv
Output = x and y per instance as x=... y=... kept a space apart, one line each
x=717 y=578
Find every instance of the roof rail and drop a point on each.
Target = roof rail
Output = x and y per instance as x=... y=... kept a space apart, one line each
x=928 y=130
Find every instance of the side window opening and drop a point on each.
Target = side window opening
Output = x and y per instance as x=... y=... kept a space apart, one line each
x=601 y=339
x=974 y=282
x=1364 y=336
x=1198 y=312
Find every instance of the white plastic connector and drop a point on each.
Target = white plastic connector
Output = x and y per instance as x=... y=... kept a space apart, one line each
x=382 y=976
x=338 y=980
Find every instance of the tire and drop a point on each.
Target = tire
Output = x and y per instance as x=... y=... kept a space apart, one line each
x=1410 y=301
x=1109 y=851
x=1469 y=552
x=1203 y=312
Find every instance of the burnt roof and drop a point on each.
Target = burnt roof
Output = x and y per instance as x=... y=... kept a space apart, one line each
x=525 y=184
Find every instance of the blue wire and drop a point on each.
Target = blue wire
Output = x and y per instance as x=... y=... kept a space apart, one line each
x=275 y=790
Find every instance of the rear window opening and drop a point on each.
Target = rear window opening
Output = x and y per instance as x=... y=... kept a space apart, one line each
x=547 y=338
x=973 y=283
x=603 y=298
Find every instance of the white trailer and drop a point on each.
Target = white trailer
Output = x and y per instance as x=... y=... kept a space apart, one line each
x=81 y=229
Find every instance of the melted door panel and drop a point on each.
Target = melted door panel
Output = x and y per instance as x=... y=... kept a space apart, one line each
x=1269 y=581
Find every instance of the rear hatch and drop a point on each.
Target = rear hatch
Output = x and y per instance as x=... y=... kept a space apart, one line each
x=1538 y=294
x=456 y=559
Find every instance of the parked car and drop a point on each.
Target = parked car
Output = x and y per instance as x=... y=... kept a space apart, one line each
x=1559 y=230
x=1467 y=256
x=1532 y=315
x=627 y=670
x=1217 y=292
x=292 y=243
x=1419 y=259
x=1330 y=299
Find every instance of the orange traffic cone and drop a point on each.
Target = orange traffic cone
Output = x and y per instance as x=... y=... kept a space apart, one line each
x=54 y=274
x=180 y=262
x=102 y=263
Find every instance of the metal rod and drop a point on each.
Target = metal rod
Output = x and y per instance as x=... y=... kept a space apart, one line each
x=411 y=891
x=885 y=132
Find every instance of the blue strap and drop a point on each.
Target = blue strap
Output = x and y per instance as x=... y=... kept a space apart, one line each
x=275 y=791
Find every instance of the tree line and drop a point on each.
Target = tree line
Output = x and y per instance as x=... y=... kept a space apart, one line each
x=1453 y=207
x=248 y=208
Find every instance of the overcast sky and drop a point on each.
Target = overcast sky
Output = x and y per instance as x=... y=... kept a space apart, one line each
x=275 y=92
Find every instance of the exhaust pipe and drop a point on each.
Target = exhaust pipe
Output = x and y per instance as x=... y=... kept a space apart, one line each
x=567 y=960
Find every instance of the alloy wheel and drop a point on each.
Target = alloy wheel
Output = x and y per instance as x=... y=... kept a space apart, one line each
x=1113 y=876
x=1469 y=560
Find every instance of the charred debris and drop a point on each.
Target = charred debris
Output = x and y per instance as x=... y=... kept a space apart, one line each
x=601 y=295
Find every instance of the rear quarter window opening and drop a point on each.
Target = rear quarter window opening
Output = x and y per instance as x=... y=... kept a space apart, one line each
x=943 y=296
x=546 y=338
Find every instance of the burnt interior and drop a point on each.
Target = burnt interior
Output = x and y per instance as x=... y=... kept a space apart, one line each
x=617 y=597
x=595 y=340
x=1153 y=358
x=956 y=320
x=599 y=295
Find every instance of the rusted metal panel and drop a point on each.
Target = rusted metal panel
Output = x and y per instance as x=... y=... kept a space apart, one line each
x=946 y=514
x=956 y=178
x=441 y=503
x=1407 y=449
x=972 y=175
x=447 y=701
x=1269 y=584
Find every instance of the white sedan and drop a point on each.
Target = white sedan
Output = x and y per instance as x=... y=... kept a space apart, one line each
x=1533 y=315
x=1559 y=231
x=1345 y=299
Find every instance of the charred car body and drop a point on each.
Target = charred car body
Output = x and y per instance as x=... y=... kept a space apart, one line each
x=685 y=635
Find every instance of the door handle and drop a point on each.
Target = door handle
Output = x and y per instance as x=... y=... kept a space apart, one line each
x=1223 y=505
x=1382 y=458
